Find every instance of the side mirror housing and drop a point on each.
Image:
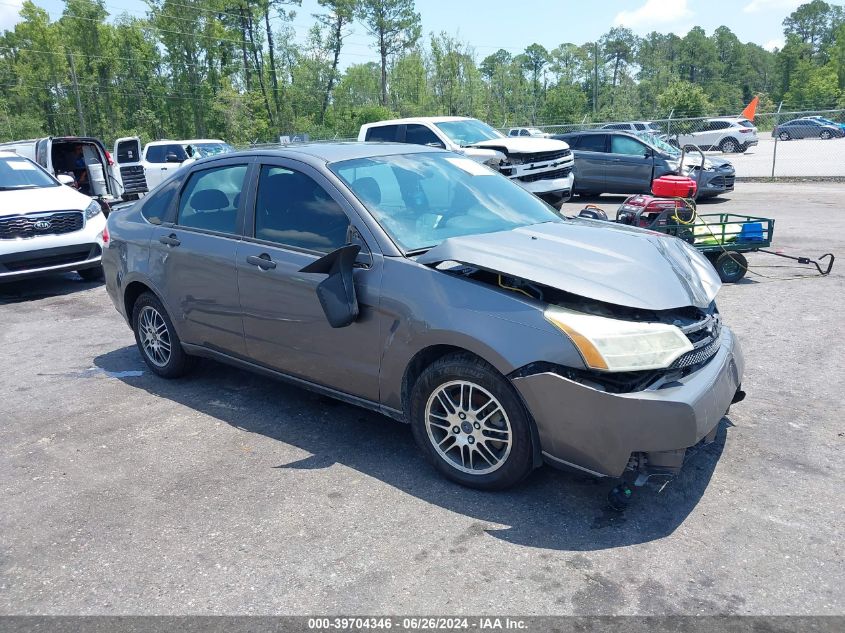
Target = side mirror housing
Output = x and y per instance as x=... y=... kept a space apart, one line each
x=65 y=179
x=172 y=158
x=337 y=292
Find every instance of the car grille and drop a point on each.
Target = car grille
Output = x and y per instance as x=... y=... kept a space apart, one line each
x=547 y=175
x=706 y=337
x=133 y=179
x=23 y=226
x=726 y=182
x=541 y=157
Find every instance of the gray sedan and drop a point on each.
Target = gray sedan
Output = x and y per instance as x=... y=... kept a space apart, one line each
x=610 y=161
x=420 y=284
x=807 y=128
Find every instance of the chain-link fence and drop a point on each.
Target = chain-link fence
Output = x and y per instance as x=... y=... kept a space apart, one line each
x=795 y=144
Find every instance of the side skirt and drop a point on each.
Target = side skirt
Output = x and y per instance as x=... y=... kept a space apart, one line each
x=204 y=352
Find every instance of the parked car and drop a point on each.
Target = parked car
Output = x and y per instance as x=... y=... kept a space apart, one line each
x=528 y=131
x=45 y=226
x=610 y=161
x=807 y=128
x=146 y=168
x=83 y=158
x=728 y=134
x=825 y=121
x=541 y=166
x=414 y=282
x=634 y=126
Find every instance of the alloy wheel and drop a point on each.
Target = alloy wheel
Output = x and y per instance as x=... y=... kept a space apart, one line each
x=468 y=427
x=154 y=336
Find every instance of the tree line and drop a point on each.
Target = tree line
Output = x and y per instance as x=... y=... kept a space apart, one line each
x=250 y=70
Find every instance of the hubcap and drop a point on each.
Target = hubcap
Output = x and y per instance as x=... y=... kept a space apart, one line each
x=154 y=336
x=468 y=427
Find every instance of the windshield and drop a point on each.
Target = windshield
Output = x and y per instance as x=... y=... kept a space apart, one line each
x=468 y=131
x=422 y=199
x=204 y=150
x=17 y=172
x=660 y=144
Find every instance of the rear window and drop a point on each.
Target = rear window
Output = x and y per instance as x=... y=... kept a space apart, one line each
x=746 y=123
x=383 y=133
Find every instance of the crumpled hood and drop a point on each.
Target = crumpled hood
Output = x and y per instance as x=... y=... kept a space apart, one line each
x=63 y=198
x=524 y=144
x=599 y=260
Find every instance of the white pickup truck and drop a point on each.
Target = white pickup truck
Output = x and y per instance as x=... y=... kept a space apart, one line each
x=543 y=166
x=142 y=169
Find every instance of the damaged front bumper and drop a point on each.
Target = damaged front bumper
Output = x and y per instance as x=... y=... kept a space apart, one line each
x=600 y=432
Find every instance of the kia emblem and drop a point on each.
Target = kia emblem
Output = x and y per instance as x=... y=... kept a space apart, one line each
x=43 y=225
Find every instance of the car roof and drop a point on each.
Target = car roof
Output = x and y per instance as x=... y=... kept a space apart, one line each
x=419 y=119
x=331 y=152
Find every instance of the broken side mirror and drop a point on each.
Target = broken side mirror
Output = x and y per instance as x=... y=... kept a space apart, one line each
x=337 y=291
x=66 y=179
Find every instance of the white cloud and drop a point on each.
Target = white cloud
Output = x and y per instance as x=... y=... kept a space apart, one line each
x=654 y=13
x=771 y=45
x=10 y=14
x=759 y=6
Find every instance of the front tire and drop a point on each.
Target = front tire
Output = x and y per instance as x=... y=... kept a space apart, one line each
x=825 y=135
x=470 y=423
x=784 y=136
x=156 y=338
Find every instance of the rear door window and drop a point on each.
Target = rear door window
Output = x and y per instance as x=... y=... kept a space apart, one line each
x=210 y=199
x=593 y=143
x=156 y=206
x=383 y=133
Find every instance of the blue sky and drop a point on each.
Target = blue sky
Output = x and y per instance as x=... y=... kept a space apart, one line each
x=492 y=24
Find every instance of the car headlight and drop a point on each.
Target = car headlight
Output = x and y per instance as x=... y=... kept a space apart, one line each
x=674 y=165
x=93 y=210
x=615 y=345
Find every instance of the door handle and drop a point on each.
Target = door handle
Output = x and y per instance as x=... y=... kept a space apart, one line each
x=170 y=240
x=263 y=261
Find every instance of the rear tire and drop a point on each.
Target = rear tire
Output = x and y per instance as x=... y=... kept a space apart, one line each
x=470 y=423
x=731 y=267
x=156 y=338
x=91 y=274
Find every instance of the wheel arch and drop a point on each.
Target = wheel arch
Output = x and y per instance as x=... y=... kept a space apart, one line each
x=431 y=354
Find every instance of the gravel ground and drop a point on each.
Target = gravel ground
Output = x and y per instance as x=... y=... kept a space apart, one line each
x=123 y=493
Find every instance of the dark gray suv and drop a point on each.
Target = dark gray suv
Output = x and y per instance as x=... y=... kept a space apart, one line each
x=420 y=284
x=611 y=161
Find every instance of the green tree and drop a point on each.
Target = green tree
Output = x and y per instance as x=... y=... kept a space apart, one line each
x=395 y=26
x=685 y=98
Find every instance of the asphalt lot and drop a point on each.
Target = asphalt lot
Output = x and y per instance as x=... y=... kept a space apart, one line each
x=802 y=158
x=223 y=492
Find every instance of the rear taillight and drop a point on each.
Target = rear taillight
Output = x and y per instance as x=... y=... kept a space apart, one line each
x=109 y=158
x=106 y=236
x=745 y=130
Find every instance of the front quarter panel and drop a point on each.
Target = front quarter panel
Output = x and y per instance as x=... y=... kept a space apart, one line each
x=424 y=307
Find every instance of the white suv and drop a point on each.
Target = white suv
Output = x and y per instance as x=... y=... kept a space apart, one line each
x=543 y=166
x=45 y=226
x=728 y=134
